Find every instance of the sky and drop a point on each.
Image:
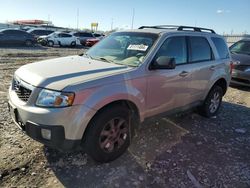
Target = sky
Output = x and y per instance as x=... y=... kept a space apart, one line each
x=224 y=16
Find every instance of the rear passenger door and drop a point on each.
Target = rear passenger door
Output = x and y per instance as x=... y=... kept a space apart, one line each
x=202 y=66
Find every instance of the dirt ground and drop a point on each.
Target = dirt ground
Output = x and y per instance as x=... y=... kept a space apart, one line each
x=185 y=150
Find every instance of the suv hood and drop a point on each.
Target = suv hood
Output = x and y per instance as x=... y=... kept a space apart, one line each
x=58 y=73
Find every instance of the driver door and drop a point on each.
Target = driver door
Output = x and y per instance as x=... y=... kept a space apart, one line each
x=167 y=89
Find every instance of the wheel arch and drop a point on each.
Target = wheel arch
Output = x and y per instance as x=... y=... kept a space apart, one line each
x=222 y=83
x=134 y=110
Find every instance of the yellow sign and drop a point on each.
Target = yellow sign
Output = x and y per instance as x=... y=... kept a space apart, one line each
x=94 y=24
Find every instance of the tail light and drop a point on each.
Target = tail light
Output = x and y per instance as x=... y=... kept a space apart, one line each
x=231 y=67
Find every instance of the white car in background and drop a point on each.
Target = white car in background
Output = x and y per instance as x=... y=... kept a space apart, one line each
x=59 y=38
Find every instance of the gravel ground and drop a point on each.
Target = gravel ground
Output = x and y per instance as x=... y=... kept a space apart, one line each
x=185 y=150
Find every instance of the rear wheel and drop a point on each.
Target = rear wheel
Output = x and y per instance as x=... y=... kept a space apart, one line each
x=108 y=135
x=73 y=44
x=212 y=103
x=50 y=43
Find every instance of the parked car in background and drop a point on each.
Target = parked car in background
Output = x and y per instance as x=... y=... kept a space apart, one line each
x=91 y=42
x=16 y=37
x=59 y=38
x=83 y=36
x=240 y=52
x=40 y=32
x=96 y=100
x=99 y=36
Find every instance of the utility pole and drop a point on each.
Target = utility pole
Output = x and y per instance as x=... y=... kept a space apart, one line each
x=77 y=19
x=133 y=17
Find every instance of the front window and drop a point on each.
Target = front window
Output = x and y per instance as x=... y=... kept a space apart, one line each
x=174 y=47
x=127 y=48
x=241 y=47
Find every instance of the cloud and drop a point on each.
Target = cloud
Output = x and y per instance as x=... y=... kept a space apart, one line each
x=221 y=11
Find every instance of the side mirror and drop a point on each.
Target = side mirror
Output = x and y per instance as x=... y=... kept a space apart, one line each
x=163 y=62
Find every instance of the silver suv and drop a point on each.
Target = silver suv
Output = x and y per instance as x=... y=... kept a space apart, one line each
x=97 y=99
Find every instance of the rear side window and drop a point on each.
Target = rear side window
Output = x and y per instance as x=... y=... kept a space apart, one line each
x=65 y=35
x=174 y=47
x=241 y=47
x=14 y=32
x=86 y=35
x=221 y=47
x=200 y=49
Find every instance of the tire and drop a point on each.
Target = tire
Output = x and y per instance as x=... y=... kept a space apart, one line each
x=212 y=102
x=28 y=43
x=50 y=43
x=108 y=135
x=43 y=42
x=73 y=44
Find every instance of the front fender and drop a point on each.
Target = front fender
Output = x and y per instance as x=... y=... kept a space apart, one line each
x=97 y=98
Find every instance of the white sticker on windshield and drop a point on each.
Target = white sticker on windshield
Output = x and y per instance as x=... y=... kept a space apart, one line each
x=139 y=47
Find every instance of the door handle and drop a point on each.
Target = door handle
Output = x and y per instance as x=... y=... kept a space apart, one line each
x=212 y=67
x=183 y=73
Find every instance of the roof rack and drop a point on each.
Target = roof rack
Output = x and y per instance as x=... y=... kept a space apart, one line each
x=179 y=28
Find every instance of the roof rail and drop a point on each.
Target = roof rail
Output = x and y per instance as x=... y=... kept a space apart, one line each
x=179 y=28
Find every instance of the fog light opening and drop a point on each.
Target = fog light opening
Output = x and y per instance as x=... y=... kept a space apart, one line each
x=46 y=134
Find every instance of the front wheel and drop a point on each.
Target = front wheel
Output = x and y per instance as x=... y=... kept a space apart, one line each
x=108 y=135
x=212 y=103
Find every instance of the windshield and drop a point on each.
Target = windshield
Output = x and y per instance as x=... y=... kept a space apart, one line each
x=241 y=47
x=127 y=48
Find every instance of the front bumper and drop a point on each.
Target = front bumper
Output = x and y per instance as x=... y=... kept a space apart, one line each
x=67 y=125
x=57 y=140
x=241 y=77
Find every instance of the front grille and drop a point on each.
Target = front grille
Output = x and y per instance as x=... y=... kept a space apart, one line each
x=22 y=92
x=241 y=67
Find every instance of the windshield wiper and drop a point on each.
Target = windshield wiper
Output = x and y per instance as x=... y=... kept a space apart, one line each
x=86 y=55
x=105 y=59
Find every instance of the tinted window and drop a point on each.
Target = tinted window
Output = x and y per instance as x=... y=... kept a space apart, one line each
x=221 y=47
x=65 y=35
x=41 y=32
x=97 y=35
x=48 y=32
x=14 y=32
x=241 y=47
x=76 y=34
x=174 y=47
x=200 y=49
x=85 y=35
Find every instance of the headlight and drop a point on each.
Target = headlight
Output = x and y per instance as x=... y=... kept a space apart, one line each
x=49 y=98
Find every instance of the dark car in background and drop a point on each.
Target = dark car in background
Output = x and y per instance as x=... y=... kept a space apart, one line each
x=240 y=52
x=40 y=32
x=99 y=36
x=82 y=36
x=10 y=37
